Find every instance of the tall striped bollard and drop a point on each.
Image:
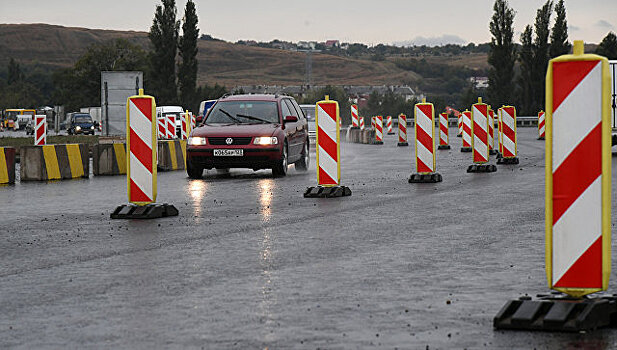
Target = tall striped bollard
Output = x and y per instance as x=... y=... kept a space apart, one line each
x=161 y=127
x=378 y=130
x=499 y=134
x=466 y=116
x=577 y=201
x=40 y=130
x=389 y=125
x=491 y=132
x=459 y=120
x=328 y=153
x=362 y=123
x=479 y=141
x=402 y=130
x=424 y=116
x=186 y=126
x=541 y=125
x=141 y=129
x=508 y=136
x=354 y=116
x=171 y=127
x=444 y=139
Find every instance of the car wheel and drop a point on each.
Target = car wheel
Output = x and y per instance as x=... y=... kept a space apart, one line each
x=194 y=172
x=303 y=163
x=281 y=168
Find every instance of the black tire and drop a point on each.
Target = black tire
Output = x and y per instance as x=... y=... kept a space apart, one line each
x=194 y=172
x=280 y=169
x=303 y=163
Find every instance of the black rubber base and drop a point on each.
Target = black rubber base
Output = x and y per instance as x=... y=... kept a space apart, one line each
x=502 y=160
x=402 y=144
x=425 y=178
x=465 y=149
x=149 y=211
x=557 y=312
x=540 y=138
x=390 y=133
x=378 y=143
x=482 y=168
x=492 y=152
x=459 y=135
x=327 y=192
x=499 y=155
x=443 y=147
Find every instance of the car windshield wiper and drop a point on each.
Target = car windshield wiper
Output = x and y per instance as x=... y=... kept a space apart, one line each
x=230 y=116
x=253 y=118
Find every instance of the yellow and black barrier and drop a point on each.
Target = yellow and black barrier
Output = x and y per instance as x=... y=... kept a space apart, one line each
x=109 y=159
x=171 y=155
x=7 y=165
x=54 y=162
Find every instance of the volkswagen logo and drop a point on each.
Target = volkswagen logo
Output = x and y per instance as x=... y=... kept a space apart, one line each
x=229 y=141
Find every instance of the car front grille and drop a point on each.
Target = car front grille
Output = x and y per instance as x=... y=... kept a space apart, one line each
x=218 y=141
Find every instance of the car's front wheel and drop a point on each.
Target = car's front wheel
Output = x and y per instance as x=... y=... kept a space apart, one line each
x=194 y=172
x=281 y=167
x=303 y=163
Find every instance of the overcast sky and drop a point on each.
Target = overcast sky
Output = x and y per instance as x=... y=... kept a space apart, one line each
x=369 y=22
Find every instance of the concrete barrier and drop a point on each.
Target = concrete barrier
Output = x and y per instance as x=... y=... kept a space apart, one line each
x=109 y=159
x=54 y=162
x=171 y=155
x=7 y=165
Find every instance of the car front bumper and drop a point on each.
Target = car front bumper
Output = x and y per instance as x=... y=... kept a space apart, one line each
x=253 y=158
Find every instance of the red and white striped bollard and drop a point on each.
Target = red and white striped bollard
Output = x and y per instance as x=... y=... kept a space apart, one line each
x=424 y=116
x=444 y=138
x=402 y=130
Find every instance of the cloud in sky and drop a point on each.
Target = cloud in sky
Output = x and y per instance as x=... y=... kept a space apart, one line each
x=432 y=41
x=604 y=24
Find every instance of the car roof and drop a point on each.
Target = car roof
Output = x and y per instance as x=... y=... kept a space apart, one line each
x=254 y=97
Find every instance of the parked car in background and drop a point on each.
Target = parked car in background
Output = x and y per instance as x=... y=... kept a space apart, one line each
x=250 y=131
x=309 y=113
x=80 y=123
x=204 y=107
x=164 y=111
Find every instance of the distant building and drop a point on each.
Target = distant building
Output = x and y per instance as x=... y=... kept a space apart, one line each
x=479 y=82
x=332 y=43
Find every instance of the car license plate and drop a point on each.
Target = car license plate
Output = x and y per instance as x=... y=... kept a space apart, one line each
x=228 y=153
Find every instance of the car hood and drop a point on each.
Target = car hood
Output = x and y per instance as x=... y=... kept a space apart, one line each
x=237 y=130
x=83 y=125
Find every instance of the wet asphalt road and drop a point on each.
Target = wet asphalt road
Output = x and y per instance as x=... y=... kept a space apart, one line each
x=249 y=263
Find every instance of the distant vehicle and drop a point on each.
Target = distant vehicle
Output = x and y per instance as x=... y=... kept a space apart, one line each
x=309 y=113
x=17 y=118
x=177 y=111
x=204 y=107
x=80 y=123
x=250 y=131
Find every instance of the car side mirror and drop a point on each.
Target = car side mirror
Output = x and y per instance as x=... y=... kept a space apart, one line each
x=290 y=119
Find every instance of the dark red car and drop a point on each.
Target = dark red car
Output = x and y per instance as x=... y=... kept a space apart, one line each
x=250 y=131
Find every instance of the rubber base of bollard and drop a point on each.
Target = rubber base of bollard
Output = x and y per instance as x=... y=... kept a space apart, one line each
x=482 y=168
x=425 y=178
x=492 y=152
x=148 y=211
x=499 y=155
x=402 y=144
x=327 y=192
x=459 y=135
x=465 y=149
x=512 y=160
x=557 y=312
x=390 y=133
x=540 y=138
x=443 y=147
x=378 y=143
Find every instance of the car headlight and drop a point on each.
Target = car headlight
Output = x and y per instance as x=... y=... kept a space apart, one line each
x=266 y=140
x=197 y=141
x=78 y=127
x=92 y=127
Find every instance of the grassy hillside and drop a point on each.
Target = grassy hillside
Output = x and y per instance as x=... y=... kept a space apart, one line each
x=219 y=62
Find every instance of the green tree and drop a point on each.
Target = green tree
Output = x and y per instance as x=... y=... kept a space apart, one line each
x=164 y=39
x=608 y=46
x=187 y=48
x=540 y=55
x=502 y=54
x=14 y=73
x=80 y=86
x=559 y=34
x=525 y=58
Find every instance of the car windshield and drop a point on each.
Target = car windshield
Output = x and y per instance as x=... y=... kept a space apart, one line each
x=309 y=112
x=243 y=112
x=83 y=119
x=177 y=115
